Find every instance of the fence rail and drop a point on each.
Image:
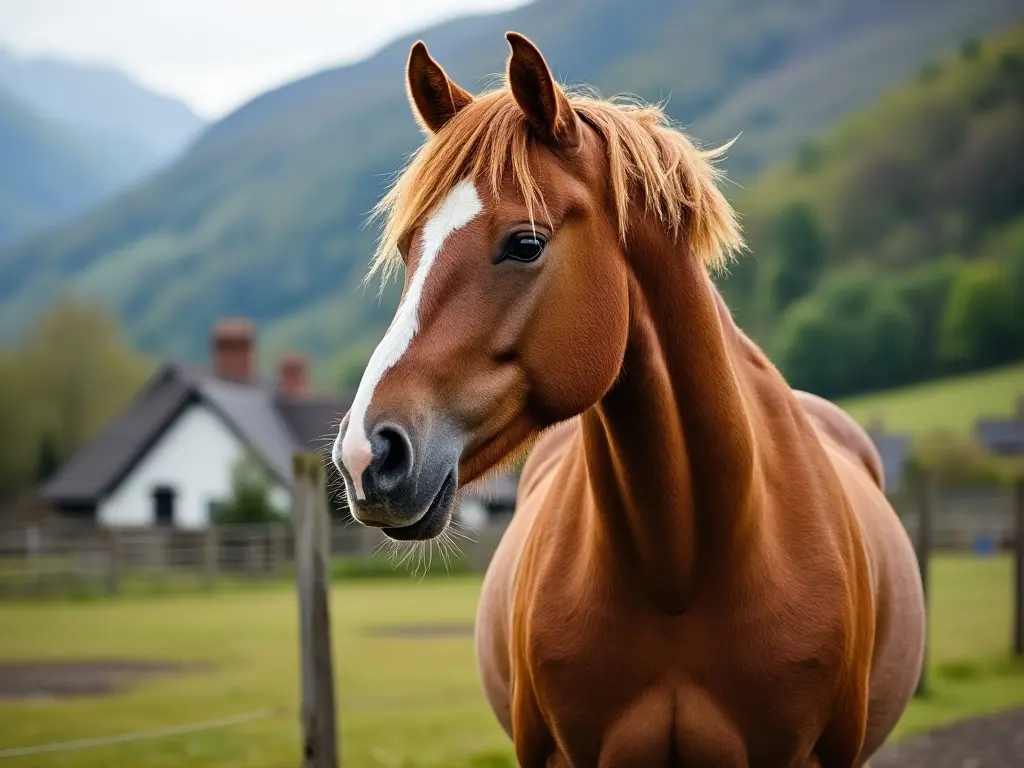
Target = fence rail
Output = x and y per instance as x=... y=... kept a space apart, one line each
x=69 y=557
x=74 y=558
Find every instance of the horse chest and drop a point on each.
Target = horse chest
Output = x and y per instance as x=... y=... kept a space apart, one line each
x=617 y=689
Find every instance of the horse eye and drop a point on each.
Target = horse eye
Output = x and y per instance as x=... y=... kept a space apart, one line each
x=526 y=246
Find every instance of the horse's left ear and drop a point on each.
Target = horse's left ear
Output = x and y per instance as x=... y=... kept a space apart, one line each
x=540 y=98
x=435 y=98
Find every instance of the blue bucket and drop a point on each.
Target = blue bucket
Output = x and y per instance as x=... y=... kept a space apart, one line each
x=984 y=545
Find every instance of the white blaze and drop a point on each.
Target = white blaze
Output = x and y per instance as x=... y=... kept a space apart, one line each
x=460 y=207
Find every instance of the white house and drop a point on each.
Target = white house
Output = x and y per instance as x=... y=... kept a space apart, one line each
x=168 y=458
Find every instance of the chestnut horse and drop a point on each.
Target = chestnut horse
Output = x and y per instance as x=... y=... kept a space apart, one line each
x=702 y=568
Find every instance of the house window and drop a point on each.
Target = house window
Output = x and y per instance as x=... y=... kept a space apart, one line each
x=163 y=505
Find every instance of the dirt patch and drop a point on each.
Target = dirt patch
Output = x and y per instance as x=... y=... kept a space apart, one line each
x=421 y=630
x=31 y=679
x=994 y=741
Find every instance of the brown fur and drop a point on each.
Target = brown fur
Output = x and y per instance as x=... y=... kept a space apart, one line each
x=702 y=568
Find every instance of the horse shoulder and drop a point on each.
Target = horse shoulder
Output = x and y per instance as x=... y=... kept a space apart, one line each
x=494 y=609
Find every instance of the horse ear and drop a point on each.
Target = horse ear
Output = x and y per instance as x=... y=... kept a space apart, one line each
x=545 y=106
x=435 y=98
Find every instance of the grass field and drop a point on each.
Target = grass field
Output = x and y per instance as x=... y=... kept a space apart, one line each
x=948 y=405
x=404 y=702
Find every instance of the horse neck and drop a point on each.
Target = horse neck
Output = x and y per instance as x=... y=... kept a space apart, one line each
x=670 y=450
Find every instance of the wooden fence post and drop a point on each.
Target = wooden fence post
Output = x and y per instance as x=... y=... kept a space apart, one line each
x=211 y=556
x=1018 y=571
x=159 y=538
x=312 y=559
x=113 y=562
x=925 y=503
x=32 y=547
x=278 y=549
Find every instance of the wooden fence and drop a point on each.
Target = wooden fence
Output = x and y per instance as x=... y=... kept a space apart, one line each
x=76 y=559
x=63 y=557
x=926 y=495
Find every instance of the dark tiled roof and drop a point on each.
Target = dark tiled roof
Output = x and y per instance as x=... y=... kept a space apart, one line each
x=1006 y=437
x=313 y=421
x=104 y=461
x=250 y=411
x=273 y=429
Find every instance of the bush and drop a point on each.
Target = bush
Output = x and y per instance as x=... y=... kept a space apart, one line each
x=250 y=499
x=925 y=293
x=799 y=253
x=850 y=335
x=889 y=343
x=958 y=461
x=812 y=349
x=979 y=321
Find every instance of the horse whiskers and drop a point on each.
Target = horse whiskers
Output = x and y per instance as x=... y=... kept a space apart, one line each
x=449 y=549
x=442 y=545
x=460 y=529
x=418 y=556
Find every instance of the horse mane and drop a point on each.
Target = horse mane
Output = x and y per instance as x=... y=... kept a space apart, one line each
x=646 y=154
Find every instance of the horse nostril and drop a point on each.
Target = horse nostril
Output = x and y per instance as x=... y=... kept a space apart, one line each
x=392 y=456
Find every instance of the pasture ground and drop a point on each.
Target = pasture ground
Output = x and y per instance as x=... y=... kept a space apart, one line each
x=407 y=698
x=951 y=405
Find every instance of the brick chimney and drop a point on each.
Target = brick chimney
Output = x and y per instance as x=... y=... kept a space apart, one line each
x=234 y=350
x=293 y=375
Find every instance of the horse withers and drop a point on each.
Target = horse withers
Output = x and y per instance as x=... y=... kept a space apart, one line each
x=702 y=568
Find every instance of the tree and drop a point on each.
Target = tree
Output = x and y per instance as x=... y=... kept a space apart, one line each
x=979 y=322
x=853 y=333
x=925 y=293
x=799 y=251
x=1015 y=270
x=17 y=427
x=889 y=342
x=985 y=179
x=81 y=369
x=250 y=494
x=883 y=186
x=970 y=48
x=47 y=462
x=808 y=157
x=813 y=349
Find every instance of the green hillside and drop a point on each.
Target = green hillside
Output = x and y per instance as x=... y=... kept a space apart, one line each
x=952 y=405
x=891 y=250
x=46 y=173
x=265 y=215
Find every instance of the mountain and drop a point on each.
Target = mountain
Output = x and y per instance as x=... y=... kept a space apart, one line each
x=264 y=215
x=122 y=118
x=891 y=249
x=71 y=136
x=46 y=173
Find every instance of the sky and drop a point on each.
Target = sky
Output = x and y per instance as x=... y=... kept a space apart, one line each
x=217 y=54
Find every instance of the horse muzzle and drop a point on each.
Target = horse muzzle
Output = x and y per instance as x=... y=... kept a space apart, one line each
x=407 y=479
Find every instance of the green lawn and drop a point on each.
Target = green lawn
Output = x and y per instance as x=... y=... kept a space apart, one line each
x=404 y=702
x=948 y=405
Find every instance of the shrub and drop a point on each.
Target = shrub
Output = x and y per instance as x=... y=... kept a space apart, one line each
x=250 y=499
